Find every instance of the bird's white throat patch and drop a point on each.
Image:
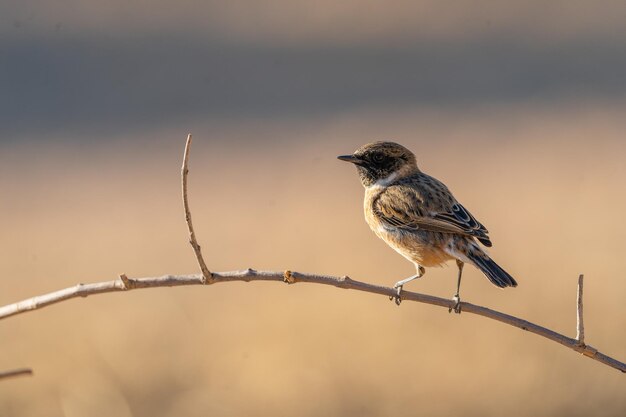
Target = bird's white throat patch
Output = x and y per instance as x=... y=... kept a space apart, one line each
x=384 y=182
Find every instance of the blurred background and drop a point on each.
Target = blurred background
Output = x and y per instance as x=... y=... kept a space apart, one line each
x=518 y=106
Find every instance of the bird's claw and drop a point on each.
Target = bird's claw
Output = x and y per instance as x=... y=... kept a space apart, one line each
x=457 y=305
x=397 y=298
x=421 y=271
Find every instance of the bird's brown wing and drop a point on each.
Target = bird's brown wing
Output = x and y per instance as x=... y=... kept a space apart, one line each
x=458 y=215
x=404 y=206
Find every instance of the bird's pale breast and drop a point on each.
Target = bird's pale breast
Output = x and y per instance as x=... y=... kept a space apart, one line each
x=421 y=247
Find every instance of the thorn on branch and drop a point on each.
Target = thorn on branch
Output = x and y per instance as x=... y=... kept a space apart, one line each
x=126 y=282
x=288 y=277
x=589 y=351
x=344 y=281
x=249 y=274
x=80 y=287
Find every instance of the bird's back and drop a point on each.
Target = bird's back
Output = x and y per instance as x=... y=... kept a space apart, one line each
x=431 y=195
x=421 y=202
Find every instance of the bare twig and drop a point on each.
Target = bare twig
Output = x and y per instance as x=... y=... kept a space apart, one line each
x=15 y=372
x=580 y=326
x=84 y=290
x=206 y=274
x=123 y=283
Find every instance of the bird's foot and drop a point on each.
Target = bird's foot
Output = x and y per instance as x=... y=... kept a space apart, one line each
x=457 y=305
x=397 y=298
x=398 y=285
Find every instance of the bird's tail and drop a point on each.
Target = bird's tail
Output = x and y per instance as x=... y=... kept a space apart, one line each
x=498 y=276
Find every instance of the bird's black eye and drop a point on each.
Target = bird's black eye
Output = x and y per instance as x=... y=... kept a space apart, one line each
x=378 y=157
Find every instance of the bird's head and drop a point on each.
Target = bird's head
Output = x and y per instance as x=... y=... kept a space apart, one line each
x=382 y=162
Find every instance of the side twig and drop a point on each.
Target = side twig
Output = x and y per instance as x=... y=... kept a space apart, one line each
x=580 y=326
x=15 y=372
x=206 y=274
x=84 y=290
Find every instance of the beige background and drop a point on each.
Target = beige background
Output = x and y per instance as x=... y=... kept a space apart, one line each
x=85 y=201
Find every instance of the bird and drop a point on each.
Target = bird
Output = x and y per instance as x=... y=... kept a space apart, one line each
x=417 y=216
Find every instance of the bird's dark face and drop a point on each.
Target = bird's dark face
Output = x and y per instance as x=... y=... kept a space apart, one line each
x=381 y=162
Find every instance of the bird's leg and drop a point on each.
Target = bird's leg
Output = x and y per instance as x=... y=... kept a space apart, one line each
x=398 y=285
x=457 y=297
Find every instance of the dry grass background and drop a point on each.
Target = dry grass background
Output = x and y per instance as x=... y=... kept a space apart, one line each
x=547 y=180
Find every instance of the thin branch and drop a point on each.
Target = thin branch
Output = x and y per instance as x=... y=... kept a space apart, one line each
x=580 y=326
x=124 y=284
x=15 y=372
x=206 y=274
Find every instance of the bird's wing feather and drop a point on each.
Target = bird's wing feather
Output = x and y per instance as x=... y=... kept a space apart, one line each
x=404 y=206
x=459 y=216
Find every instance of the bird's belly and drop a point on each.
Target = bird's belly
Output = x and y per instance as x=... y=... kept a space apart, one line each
x=421 y=247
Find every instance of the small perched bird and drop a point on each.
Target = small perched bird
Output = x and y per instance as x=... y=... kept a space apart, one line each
x=419 y=217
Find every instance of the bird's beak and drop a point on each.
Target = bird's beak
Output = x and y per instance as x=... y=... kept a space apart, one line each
x=350 y=158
